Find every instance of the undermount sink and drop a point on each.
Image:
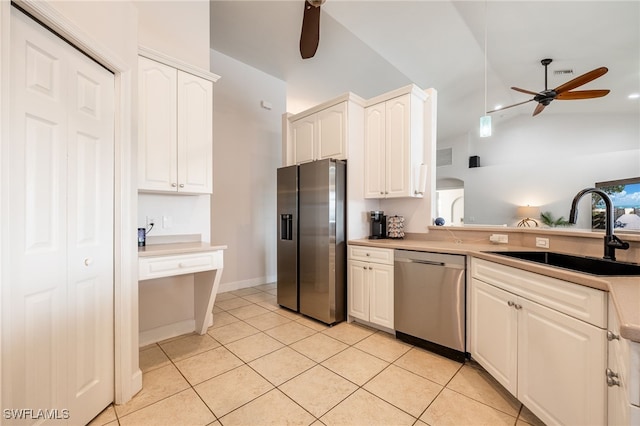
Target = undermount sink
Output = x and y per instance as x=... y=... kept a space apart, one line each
x=587 y=265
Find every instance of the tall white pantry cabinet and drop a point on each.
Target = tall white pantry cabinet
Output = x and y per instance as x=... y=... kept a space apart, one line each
x=175 y=145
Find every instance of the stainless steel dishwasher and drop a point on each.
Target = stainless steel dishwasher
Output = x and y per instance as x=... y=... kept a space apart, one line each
x=429 y=301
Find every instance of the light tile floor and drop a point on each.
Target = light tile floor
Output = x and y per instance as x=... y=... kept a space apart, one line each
x=260 y=364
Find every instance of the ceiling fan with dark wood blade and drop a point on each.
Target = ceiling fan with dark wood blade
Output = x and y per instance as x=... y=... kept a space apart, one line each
x=310 y=35
x=562 y=92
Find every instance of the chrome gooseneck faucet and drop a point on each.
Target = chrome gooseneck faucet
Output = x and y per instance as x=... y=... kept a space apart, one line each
x=611 y=242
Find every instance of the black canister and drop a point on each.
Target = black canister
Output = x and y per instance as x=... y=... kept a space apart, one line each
x=142 y=237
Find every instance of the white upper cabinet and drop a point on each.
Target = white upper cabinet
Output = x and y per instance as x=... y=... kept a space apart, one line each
x=323 y=131
x=394 y=144
x=321 y=135
x=175 y=145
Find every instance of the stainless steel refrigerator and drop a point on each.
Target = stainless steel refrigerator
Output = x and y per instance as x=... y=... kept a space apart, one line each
x=311 y=255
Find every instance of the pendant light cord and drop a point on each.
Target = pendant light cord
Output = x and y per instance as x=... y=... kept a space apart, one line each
x=485 y=57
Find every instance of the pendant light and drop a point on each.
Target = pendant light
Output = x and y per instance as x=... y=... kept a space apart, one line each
x=485 y=120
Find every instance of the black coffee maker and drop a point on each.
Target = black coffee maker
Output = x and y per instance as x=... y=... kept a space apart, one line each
x=378 y=225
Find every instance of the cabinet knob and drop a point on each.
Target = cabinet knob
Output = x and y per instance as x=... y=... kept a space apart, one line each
x=386 y=192
x=370 y=268
x=517 y=306
x=510 y=303
x=173 y=185
x=610 y=373
x=88 y=261
x=381 y=193
x=368 y=254
x=612 y=382
x=364 y=267
x=612 y=336
x=181 y=185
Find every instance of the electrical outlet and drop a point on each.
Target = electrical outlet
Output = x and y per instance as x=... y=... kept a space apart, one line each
x=150 y=222
x=499 y=238
x=542 y=242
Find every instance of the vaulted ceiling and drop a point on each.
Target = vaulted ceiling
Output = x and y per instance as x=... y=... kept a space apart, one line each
x=370 y=47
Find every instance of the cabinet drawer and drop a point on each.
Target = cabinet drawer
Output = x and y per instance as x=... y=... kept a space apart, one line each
x=371 y=254
x=581 y=302
x=167 y=266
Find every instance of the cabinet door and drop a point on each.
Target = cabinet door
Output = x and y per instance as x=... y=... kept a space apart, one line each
x=195 y=134
x=303 y=135
x=381 y=294
x=358 y=290
x=374 y=151
x=331 y=128
x=157 y=141
x=494 y=332
x=398 y=147
x=561 y=364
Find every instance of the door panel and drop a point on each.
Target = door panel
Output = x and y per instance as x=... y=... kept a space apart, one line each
x=90 y=243
x=157 y=141
x=57 y=333
x=195 y=134
x=494 y=333
x=374 y=151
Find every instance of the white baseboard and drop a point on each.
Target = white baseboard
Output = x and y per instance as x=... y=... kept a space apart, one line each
x=237 y=285
x=158 y=334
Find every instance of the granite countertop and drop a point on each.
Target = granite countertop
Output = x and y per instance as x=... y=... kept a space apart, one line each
x=169 y=249
x=624 y=291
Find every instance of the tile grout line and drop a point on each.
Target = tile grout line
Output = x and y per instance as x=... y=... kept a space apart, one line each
x=296 y=318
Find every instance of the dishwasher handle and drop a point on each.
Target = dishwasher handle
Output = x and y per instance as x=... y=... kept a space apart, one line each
x=430 y=262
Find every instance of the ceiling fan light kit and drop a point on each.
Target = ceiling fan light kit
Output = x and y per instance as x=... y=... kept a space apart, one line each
x=563 y=92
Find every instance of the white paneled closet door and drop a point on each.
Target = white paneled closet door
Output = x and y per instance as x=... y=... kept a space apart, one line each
x=57 y=325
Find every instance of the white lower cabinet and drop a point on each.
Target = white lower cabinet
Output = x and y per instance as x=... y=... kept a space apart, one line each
x=370 y=285
x=526 y=333
x=622 y=375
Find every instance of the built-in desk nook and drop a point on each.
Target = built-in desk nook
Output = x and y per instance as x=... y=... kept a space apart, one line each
x=203 y=260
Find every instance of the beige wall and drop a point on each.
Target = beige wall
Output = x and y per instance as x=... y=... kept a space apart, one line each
x=246 y=154
x=179 y=29
x=111 y=24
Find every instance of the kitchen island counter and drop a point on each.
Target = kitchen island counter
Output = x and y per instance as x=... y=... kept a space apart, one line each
x=624 y=291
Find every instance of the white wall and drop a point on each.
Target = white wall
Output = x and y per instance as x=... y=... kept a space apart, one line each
x=175 y=214
x=179 y=29
x=246 y=153
x=542 y=161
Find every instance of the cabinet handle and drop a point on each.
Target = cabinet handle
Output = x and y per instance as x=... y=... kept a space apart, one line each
x=611 y=374
x=370 y=268
x=510 y=303
x=612 y=336
x=181 y=185
x=612 y=382
x=517 y=306
x=173 y=185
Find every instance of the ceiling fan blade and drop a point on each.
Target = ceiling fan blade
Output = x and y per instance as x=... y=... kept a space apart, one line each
x=580 y=80
x=517 y=89
x=310 y=35
x=510 y=106
x=538 y=109
x=582 y=94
